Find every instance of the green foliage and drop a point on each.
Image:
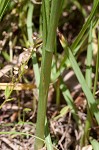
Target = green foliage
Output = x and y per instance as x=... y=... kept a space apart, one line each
x=95 y=144
x=3 y=6
x=8 y=91
x=48 y=48
x=47 y=14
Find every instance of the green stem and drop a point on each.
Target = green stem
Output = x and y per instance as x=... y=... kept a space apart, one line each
x=97 y=69
x=88 y=76
x=46 y=71
x=30 y=33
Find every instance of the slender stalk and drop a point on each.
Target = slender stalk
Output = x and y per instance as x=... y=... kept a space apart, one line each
x=29 y=22
x=58 y=92
x=97 y=69
x=89 y=60
x=47 y=136
x=46 y=70
x=30 y=33
x=88 y=77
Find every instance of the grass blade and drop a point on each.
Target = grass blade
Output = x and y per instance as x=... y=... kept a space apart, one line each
x=89 y=60
x=69 y=101
x=86 y=90
x=3 y=6
x=95 y=144
x=30 y=32
x=85 y=26
x=97 y=69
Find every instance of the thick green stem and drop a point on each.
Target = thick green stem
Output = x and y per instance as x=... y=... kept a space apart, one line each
x=44 y=86
x=46 y=70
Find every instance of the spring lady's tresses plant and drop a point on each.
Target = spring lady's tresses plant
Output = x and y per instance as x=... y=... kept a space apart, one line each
x=50 y=23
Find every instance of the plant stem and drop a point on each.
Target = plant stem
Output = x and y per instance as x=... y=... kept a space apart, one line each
x=30 y=33
x=97 y=69
x=46 y=70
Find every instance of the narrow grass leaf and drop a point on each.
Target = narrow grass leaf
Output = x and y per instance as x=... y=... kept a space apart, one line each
x=47 y=136
x=69 y=100
x=30 y=32
x=89 y=96
x=85 y=26
x=64 y=62
x=95 y=144
x=3 y=6
x=97 y=69
x=89 y=59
